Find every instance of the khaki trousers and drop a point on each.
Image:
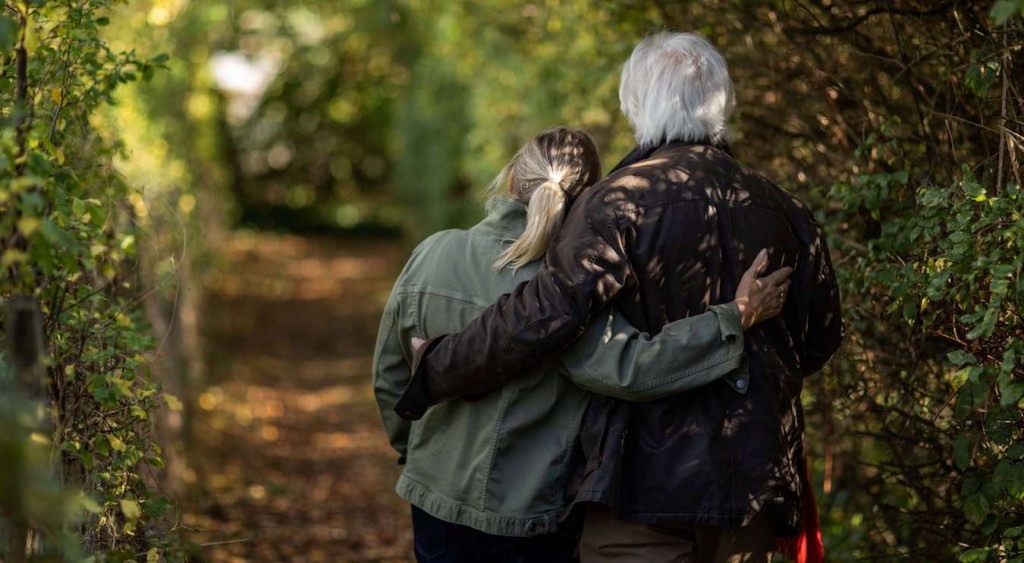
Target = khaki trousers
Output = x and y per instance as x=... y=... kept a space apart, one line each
x=608 y=539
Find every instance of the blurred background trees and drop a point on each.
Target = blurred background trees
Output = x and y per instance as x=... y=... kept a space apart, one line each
x=149 y=128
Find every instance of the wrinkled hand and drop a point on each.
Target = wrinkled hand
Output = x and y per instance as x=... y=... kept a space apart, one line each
x=758 y=298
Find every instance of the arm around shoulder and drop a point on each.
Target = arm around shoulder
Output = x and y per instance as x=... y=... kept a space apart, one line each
x=585 y=267
x=616 y=359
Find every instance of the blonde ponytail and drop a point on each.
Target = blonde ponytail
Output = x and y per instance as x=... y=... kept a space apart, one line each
x=544 y=217
x=547 y=175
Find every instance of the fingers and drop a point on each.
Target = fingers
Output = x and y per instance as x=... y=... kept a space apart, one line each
x=758 y=266
x=760 y=262
x=777 y=277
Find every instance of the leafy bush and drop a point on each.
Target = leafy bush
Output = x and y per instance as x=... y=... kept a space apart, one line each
x=67 y=222
x=935 y=397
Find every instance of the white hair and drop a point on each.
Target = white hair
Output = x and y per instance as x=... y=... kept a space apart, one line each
x=676 y=87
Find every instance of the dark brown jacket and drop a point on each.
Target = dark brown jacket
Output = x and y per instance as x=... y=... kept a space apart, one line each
x=665 y=238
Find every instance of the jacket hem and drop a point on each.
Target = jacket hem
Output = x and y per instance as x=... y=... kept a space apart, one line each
x=786 y=521
x=446 y=509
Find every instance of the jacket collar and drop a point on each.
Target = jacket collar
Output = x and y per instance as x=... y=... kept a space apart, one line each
x=505 y=218
x=643 y=152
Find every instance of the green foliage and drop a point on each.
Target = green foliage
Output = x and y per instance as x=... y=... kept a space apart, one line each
x=68 y=232
x=28 y=490
x=1003 y=10
x=888 y=119
x=949 y=261
x=411 y=102
x=316 y=147
x=487 y=77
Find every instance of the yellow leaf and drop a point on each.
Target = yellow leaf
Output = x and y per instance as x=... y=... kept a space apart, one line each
x=25 y=182
x=153 y=555
x=91 y=505
x=28 y=225
x=12 y=255
x=55 y=95
x=31 y=37
x=172 y=402
x=123 y=320
x=131 y=509
x=115 y=443
x=96 y=249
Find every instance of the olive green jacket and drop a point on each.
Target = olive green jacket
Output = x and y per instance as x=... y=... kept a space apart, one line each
x=500 y=463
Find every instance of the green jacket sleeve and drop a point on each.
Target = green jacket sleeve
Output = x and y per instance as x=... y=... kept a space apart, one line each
x=391 y=371
x=615 y=359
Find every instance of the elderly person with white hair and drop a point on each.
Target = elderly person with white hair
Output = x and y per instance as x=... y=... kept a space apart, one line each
x=716 y=473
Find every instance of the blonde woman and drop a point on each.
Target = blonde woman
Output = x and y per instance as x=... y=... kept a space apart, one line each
x=488 y=479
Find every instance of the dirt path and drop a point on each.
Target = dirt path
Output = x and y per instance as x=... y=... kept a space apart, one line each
x=289 y=460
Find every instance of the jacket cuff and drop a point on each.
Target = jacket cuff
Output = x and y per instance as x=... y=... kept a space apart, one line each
x=730 y=323
x=416 y=399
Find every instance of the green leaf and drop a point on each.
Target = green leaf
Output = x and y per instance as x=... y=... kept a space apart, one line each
x=1009 y=391
x=87 y=460
x=1009 y=361
x=156 y=506
x=160 y=59
x=56 y=236
x=8 y=33
x=976 y=509
x=909 y=311
x=962 y=451
x=976 y=554
x=960 y=358
x=102 y=447
x=1003 y=10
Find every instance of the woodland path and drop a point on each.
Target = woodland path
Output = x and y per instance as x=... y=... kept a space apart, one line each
x=288 y=459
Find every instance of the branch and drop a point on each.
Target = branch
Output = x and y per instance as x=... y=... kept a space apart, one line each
x=20 y=90
x=853 y=24
x=1002 y=116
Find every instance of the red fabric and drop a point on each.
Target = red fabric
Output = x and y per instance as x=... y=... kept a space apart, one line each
x=806 y=547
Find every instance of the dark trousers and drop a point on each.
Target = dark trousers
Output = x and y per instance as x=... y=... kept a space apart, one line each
x=437 y=541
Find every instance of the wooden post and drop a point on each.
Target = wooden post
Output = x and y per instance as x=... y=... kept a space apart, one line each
x=26 y=345
x=26 y=349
